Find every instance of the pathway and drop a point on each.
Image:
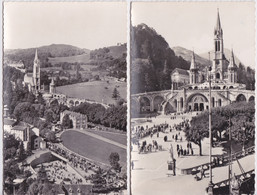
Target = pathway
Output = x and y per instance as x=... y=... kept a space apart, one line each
x=150 y=170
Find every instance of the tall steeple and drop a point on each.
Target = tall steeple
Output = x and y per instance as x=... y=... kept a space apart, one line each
x=218 y=66
x=36 y=60
x=36 y=74
x=218 y=29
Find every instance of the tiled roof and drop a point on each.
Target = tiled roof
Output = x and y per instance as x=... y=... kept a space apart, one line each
x=181 y=71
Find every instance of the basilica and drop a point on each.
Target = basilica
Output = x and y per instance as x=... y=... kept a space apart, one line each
x=221 y=71
x=190 y=88
x=32 y=80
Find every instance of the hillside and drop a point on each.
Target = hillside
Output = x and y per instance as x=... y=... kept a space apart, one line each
x=54 y=50
x=44 y=53
x=152 y=60
x=187 y=55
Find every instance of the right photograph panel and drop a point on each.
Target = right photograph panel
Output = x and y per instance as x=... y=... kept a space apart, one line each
x=192 y=98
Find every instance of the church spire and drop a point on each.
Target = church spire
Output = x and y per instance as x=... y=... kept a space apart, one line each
x=193 y=64
x=232 y=61
x=36 y=57
x=218 y=29
x=36 y=60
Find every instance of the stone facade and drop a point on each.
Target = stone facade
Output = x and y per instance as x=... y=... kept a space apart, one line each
x=190 y=88
x=79 y=121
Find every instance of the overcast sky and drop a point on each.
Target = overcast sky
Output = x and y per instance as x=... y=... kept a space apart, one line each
x=83 y=24
x=191 y=25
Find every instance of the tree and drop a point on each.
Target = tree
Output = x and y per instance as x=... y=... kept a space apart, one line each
x=67 y=122
x=115 y=93
x=21 y=153
x=114 y=161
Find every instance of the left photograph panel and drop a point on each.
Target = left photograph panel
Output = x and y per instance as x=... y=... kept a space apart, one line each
x=64 y=98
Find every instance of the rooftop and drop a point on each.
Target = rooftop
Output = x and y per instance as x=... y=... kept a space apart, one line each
x=180 y=71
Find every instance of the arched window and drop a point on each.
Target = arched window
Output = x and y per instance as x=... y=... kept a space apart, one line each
x=217 y=75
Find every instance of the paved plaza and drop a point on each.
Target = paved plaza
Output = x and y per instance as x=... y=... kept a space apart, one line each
x=149 y=175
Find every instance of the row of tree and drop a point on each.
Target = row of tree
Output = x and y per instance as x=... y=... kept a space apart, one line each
x=115 y=116
x=239 y=117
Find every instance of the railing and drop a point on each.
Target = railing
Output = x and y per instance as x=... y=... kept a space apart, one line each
x=225 y=160
x=240 y=176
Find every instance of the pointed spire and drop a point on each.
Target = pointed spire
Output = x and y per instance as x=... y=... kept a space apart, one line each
x=218 y=25
x=193 y=64
x=232 y=60
x=36 y=57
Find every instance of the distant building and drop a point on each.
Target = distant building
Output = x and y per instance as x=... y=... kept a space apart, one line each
x=39 y=143
x=32 y=80
x=190 y=88
x=20 y=130
x=223 y=71
x=79 y=121
x=179 y=77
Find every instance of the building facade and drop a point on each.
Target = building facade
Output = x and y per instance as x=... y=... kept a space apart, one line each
x=79 y=121
x=20 y=130
x=190 y=88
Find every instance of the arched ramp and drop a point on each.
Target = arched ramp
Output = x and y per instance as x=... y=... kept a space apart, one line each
x=145 y=104
x=157 y=103
x=252 y=98
x=241 y=98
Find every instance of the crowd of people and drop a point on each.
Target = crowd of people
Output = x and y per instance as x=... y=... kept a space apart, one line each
x=58 y=171
x=74 y=159
x=141 y=131
x=185 y=152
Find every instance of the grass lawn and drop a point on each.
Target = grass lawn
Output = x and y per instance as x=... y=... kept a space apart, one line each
x=99 y=91
x=117 y=137
x=91 y=147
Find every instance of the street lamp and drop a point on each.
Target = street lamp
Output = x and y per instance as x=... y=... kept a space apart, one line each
x=210 y=187
x=244 y=137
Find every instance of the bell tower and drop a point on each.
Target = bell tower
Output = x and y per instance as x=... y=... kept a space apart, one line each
x=36 y=74
x=219 y=58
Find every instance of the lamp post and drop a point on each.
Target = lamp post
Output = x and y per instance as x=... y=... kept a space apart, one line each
x=244 y=138
x=210 y=187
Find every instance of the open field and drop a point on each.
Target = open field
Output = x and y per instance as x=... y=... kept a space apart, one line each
x=117 y=137
x=99 y=91
x=84 y=58
x=91 y=147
